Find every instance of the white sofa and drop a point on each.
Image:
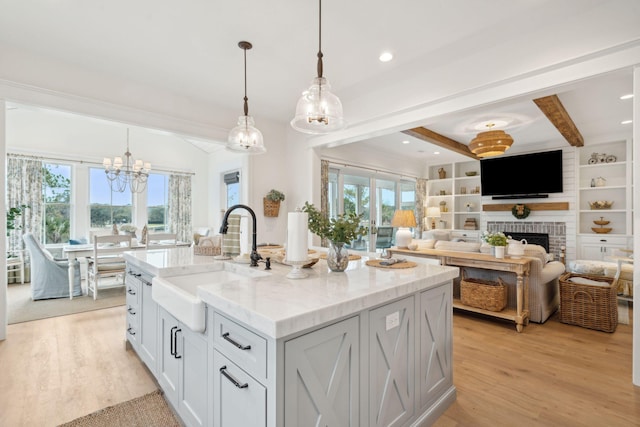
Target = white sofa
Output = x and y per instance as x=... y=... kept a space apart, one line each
x=544 y=296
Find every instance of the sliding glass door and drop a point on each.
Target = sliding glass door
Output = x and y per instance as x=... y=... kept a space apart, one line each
x=376 y=197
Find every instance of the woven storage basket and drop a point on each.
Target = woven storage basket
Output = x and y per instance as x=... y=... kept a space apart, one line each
x=589 y=306
x=206 y=250
x=271 y=208
x=484 y=294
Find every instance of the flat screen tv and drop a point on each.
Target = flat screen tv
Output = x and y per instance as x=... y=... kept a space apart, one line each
x=522 y=176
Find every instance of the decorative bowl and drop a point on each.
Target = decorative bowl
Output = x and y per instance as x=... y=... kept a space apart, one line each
x=602 y=230
x=471 y=173
x=601 y=221
x=601 y=204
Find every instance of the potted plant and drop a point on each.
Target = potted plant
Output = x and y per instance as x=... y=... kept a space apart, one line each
x=338 y=231
x=128 y=229
x=498 y=240
x=272 y=203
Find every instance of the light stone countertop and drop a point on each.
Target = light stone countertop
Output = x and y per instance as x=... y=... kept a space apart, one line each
x=278 y=306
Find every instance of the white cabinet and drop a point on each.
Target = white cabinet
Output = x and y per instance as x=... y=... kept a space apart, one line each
x=600 y=247
x=146 y=317
x=183 y=369
x=458 y=194
x=392 y=364
x=239 y=400
x=132 y=300
x=322 y=377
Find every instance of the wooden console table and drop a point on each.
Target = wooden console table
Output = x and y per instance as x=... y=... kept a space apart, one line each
x=520 y=267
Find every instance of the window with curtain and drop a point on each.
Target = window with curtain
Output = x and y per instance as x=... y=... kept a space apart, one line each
x=157 y=202
x=107 y=207
x=56 y=192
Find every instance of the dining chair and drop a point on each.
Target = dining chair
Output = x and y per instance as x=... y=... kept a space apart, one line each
x=107 y=261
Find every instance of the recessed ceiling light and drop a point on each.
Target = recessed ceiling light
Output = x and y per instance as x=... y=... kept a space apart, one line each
x=626 y=122
x=385 y=57
x=627 y=96
x=406 y=142
x=436 y=152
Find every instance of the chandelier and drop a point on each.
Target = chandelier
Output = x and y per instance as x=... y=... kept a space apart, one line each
x=490 y=143
x=245 y=137
x=318 y=111
x=125 y=173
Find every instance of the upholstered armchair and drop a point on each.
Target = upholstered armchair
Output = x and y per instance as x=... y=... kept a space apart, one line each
x=50 y=276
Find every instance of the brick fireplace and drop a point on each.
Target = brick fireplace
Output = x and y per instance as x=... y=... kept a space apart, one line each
x=557 y=231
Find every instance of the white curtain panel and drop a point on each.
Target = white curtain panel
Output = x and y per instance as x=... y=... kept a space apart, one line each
x=24 y=187
x=180 y=207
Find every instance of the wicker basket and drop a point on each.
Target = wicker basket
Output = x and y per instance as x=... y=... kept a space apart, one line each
x=484 y=294
x=589 y=306
x=271 y=208
x=206 y=250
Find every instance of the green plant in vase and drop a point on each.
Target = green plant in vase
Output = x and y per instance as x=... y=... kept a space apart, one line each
x=338 y=231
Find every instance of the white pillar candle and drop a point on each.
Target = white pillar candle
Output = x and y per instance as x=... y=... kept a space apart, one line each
x=297 y=230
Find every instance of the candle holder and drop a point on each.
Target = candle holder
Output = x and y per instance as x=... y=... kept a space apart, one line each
x=296 y=269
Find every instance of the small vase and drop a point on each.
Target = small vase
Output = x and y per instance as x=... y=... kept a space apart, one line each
x=499 y=251
x=337 y=256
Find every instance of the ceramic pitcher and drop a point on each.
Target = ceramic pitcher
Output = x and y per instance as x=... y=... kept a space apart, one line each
x=516 y=248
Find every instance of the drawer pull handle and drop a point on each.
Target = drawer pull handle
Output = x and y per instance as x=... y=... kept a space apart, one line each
x=130 y=291
x=230 y=377
x=130 y=330
x=146 y=283
x=130 y=310
x=235 y=343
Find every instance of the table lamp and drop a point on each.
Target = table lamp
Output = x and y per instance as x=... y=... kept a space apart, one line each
x=403 y=219
x=433 y=213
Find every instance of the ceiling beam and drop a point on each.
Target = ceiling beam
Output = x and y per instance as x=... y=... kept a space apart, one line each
x=441 y=141
x=558 y=116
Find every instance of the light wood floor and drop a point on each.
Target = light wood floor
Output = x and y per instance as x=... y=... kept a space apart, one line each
x=55 y=370
x=58 y=369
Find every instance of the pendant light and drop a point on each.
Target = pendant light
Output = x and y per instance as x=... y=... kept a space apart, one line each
x=245 y=137
x=318 y=111
x=490 y=143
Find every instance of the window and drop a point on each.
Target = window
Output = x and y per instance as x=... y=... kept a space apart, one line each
x=56 y=193
x=232 y=183
x=107 y=207
x=157 y=201
x=408 y=195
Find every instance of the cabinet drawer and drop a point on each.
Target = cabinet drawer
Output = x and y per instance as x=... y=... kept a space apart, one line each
x=467 y=236
x=247 y=349
x=606 y=240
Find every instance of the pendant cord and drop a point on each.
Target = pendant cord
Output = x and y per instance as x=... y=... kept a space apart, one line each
x=320 y=38
x=246 y=103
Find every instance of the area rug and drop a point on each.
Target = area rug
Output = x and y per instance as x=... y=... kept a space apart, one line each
x=23 y=309
x=150 y=410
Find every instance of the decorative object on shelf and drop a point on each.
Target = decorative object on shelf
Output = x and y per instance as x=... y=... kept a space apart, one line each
x=443 y=206
x=443 y=192
x=490 y=143
x=463 y=190
x=271 y=203
x=403 y=220
x=601 y=221
x=601 y=158
x=471 y=173
x=433 y=212
x=602 y=230
x=318 y=110
x=600 y=182
x=520 y=211
x=601 y=204
x=143 y=234
x=338 y=231
x=245 y=137
x=442 y=174
x=470 y=224
x=469 y=206
x=130 y=173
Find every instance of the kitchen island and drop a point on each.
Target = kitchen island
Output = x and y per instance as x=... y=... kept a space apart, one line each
x=232 y=345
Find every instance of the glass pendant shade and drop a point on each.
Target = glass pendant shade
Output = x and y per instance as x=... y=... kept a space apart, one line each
x=245 y=137
x=318 y=111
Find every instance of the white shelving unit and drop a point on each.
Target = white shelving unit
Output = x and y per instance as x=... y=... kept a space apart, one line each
x=616 y=187
x=456 y=190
